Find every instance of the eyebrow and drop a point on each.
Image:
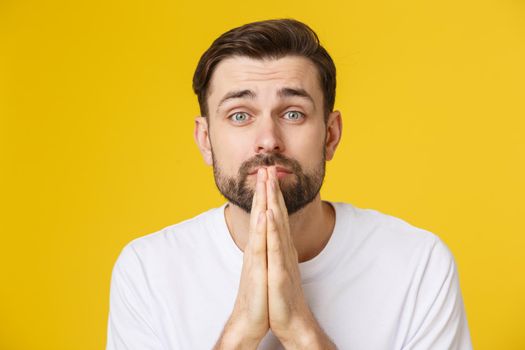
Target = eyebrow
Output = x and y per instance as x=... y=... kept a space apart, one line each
x=295 y=92
x=236 y=94
x=283 y=93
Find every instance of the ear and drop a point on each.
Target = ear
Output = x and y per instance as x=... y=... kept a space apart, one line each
x=202 y=139
x=334 y=129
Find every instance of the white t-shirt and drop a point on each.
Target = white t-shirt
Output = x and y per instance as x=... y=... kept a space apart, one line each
x=379 y=283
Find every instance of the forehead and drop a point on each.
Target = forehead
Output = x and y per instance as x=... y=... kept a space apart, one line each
x=240 y=72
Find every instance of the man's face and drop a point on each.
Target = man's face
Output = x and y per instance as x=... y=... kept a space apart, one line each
x=262 y=113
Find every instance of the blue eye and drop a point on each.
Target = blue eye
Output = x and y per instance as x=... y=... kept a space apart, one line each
x=294 y=115
x=239 y=117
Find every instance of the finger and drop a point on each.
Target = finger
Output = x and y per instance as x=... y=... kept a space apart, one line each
x=274 y=245
x=273 y=198
x=253 y=288
x=258 y=246
x=282 y=203
x=279 y=211
x=259 y=201
x=284 y=209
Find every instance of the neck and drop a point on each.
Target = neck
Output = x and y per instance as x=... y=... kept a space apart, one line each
x=310 y=228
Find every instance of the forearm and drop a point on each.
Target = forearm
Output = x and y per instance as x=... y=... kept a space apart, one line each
x=308 y=336
x=322 y=342
x=234 y=337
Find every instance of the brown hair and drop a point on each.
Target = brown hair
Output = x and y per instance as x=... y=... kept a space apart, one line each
x=267 y=39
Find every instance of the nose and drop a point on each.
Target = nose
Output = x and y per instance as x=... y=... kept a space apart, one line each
x=268 y=138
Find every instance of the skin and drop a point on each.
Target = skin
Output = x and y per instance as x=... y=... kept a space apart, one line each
x=270 y=293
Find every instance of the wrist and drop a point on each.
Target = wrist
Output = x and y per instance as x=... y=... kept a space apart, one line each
x=236 y=336
x=306 y=335
x=234 y=341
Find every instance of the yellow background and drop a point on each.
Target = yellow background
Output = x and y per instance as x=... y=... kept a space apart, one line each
x=96 y=142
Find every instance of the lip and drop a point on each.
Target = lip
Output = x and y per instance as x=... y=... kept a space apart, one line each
x=279 y=169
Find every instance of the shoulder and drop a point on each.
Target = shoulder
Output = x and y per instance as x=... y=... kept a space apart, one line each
x=391 y=239
x=370 y=223
x=166 y=242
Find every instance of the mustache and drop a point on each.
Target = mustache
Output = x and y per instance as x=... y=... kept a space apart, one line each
x=269 y=160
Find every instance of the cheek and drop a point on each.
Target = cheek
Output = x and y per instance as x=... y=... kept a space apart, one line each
x=308 y=147
x=230 y=153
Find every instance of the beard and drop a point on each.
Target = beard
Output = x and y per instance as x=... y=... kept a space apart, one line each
x=297 y=192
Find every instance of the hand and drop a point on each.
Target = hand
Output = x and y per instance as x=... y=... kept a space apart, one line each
x=288 y=309
x=270 y=292
x=249 y=319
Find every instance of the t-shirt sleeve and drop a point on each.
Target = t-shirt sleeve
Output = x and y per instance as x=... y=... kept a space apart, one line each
x=439 y=320
x=130 y=323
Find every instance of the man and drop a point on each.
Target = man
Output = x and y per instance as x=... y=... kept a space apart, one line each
x=276 y=267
